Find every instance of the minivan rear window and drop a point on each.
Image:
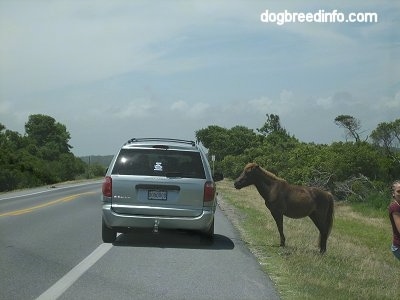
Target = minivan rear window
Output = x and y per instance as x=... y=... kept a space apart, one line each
x=159 y=162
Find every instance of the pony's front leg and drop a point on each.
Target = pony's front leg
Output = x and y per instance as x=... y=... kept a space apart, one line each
x=278 y=217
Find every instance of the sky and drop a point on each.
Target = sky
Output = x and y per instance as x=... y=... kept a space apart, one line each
x=113 y=70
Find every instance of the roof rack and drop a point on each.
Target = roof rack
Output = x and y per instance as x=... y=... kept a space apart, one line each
x=134 y=140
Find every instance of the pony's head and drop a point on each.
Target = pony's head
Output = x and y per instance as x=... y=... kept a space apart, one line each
x=248 y=176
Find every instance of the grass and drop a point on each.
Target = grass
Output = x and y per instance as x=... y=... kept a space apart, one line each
x=358 y=263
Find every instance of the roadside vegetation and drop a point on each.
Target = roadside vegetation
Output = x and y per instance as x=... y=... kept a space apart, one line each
x=359 y=170
x=41 y=156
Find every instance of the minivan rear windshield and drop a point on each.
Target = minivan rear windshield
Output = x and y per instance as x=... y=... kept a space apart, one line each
x=157 y=162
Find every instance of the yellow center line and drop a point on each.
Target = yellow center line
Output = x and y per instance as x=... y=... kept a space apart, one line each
x=30 y=209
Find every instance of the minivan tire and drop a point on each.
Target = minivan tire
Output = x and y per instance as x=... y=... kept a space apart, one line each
x=208 y=235
x=108 y=235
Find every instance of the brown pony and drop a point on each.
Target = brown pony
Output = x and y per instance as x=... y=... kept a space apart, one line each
x=293 y=201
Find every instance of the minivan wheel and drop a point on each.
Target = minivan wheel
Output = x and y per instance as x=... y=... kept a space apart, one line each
x=209 y=234
x=108 y=235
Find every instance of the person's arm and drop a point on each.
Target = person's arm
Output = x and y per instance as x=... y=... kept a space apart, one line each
x=396 y=218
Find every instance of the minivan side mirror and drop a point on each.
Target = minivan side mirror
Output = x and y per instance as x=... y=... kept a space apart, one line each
x=218 y=177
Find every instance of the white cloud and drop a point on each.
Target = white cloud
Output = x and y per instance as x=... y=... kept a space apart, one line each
x=179 y=106
x=283 y=104
x=136 y=109
x=325 y=102
x=263 y=103
x=193 y=111
x=5 y=107
x=391 y=102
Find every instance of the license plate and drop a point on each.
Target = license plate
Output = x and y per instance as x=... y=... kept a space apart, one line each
x=157 y=195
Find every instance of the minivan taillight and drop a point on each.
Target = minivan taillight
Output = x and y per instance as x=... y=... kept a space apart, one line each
x=107 y=187
x=209 y=191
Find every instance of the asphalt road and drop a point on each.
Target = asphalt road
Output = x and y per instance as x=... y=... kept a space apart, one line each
x=51 y=247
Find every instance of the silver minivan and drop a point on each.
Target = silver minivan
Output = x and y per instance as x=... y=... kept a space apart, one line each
x=159 y=183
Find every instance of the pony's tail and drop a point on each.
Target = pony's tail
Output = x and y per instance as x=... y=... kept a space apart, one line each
x=330 y=215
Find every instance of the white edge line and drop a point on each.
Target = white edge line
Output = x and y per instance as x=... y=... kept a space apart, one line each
x=57 y=289
x=48 y=190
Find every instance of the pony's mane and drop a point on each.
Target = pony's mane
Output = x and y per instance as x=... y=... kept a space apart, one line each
x=270 y=174
x=266 y=172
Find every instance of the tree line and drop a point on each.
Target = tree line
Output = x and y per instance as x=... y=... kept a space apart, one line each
x=357 y=169
x=41 y=156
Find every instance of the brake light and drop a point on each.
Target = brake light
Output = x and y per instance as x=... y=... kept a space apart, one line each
x=107 y=187
x=209 y=191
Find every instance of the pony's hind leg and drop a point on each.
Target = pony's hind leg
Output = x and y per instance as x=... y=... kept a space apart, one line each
x=323 y=230
x=322 y=242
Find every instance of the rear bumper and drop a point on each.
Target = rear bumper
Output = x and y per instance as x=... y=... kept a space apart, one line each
x=116 y=220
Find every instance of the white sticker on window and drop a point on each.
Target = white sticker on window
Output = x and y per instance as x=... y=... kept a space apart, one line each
x=158 y=166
